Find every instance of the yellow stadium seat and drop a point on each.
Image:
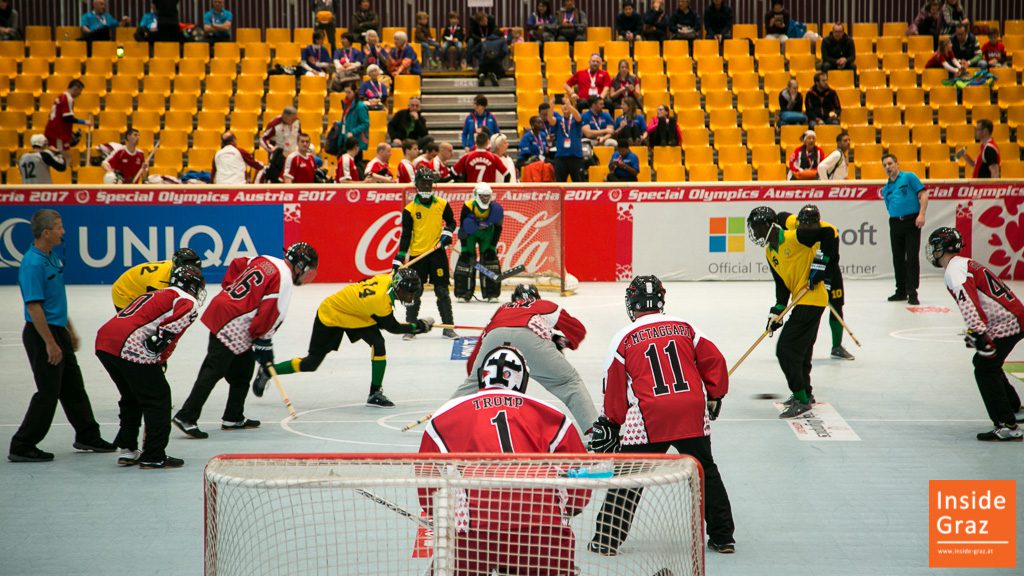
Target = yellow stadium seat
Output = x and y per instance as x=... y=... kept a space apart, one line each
x=670 y=172
x=282 y=85
x=737 y=173
x=12 y=51
x=38 y=34
x=219 y=85
x=187 y=85
x=318 y=84
x=802 y=62
x=733 y=154
x=862 y=134
x=152 y=102
x=869 y=79
x=163 y=67
x=167 y=157
x=893 y=62
x=771 y=63
x=871 y=171
x=943 y=170
x=905 y=152
x=653 y=83
x=113 y=120
x=29 y=85
x=179 y=120
x=613 y=53
x=248 y=35
x=771 y=172
x=987 y=112
x=926 y=134
x=1012 y=170
x=43 y=51
x=256 y=56
x=15 y=122
x=287 y=54
x=740 y=65
x=667 y=155
x=220 y=103
x=650 y=66
x=146 y=120
x=910 y=97
x=172 y=139
x=686 y=100
x=878 y=97
x=763 y=154
x=790 y=135
x=118 y=101
x=976 y=96
x=556 y=50
x=935 y=153
x=952 y=115
x=714 y=83
x=728 y=136
x=250 y=85
x=733 y=48
x=894 y=29
x=760 y=134
x=1001 y=133
x=192 y=68
x=960 y=135
x=899 y=79
x=709 y=65
x=702 y=49
x=721 y=118
x=131 y=67
x=702 y=172
x=557 y=70
x=942 y=96
x=932 y=78
x=311 y=102
x=655 y=99
x=889 y=45
x=600 y=34
x=917 y=115
x=528 y=83
x=167 y=51
x=854 y=116
x=248 y=103
x=766 y=47
x=744 y=31
x=201 y=158
x=72 y=49
x=22 y=103
x=67 y=68
x=683 y=83
x=917 y=44
x=756 y=118
x=184 y=101
x=209 y=122
x=826 y=134
x=840 y=78
x=529 y=50
x=277 y=102
x=696 y=136
x=698 y=154
x=750 y=100
x=799 y=45
x=641 y=49
x=717 y=100
x=582 y=51
x=39 y=67
x=91 y=175
x=229 y=51
x=279 y=36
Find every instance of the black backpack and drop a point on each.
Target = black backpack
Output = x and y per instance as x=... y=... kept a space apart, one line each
x=332 y=145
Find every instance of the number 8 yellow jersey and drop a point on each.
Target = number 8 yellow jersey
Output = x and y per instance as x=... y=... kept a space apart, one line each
x=356 y=305
x=141 y=279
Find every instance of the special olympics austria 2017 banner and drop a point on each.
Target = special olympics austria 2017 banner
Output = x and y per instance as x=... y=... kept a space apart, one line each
x=609 y=232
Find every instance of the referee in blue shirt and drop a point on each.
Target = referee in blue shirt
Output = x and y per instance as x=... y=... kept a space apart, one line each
x=50 y=341
x=906 y=200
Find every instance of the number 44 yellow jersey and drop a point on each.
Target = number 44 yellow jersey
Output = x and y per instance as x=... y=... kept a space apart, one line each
x=356 y=305
x=141 y=279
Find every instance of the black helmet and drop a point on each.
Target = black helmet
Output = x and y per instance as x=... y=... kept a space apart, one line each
x=525 y=292
x=645 y=294
x=302 y=256
x=190 y=279
x=186 y=257
x=942 y=241
x=809 y=214
x=760 y=218
x=503 y=367
x=407 y=280
x=424 y=180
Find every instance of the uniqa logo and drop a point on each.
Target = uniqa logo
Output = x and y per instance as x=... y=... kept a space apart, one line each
x=149 y=248
x=379 y=244
x=10 y=256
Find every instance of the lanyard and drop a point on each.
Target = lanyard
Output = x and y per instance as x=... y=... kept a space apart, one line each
x=569 y=18
x=566 y=125
x=477 y=125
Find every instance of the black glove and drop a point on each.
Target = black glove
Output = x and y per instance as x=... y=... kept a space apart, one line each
x=604 y=436
x=817 y=273
x=263 y=348
x=158 y=342
x=560 y=342
x=775 y=319
x=423 y=325
x=981 y=342
x=714 y=408
x=446 y=239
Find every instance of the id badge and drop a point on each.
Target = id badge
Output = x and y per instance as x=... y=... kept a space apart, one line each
x=566 y=143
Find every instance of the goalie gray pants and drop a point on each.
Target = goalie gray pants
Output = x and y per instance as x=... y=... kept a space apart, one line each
x=548 y=367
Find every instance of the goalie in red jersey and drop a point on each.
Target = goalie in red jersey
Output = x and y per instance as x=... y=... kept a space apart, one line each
x=508 y=530
x=995 y=324
x=663 y=385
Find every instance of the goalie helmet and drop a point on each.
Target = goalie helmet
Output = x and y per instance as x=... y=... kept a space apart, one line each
x=504 y=367
x=483 y=195
x=943 y=240
x=190 y=279
x=525 y=292
x=407 y=280
x=186 y=257
x=424 y=181
x=759 y=223
x=809 y=214
x=645 y=294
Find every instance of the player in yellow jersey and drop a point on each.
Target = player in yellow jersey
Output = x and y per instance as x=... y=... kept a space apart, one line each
x=798 y=259
x=150 y=276
x=359 y=311
x=426 y=222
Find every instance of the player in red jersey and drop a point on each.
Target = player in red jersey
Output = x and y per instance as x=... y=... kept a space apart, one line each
x=514 y=531
x=406 y=171
x=62 y=118
x=242 y=320
x=132 y=346
x=479 y=165
x=300 y=166
x=540 y=329
x=124 y=165
x=347 y=169
x=663 y=385
x=377 y=169
x=995 y=323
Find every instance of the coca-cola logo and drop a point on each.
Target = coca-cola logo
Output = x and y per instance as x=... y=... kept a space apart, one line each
x=353 y=196
x=378 y=245
x=531 y=244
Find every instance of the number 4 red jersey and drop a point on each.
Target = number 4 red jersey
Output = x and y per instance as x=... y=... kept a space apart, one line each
x=986 y=303
x=660 y=373
x=253 y=302
x=169 y=311
x=542 y=317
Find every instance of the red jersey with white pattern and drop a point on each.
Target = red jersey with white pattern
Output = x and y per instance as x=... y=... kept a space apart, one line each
x=253 y=302
x=59 y=124
x=406 y=173
x=375 y=166
x=660 y=373
x=167 y=312
x=987 y=304
x=543 y=317
x=347 y=170
x=301 y=169
x=278 y=134
x=127 y=163
x=436 y=165
x=480 y=166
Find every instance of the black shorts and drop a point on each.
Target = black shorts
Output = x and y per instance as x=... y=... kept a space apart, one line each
x=326 y=339
x=433 y=269
x=836 y=295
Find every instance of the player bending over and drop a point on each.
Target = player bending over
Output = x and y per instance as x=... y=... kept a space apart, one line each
x=150 y=276
x=995 y=323
x=132 y=346
x=663 y=384
x=799 y=260
x=358 y=311
x=540 y=330
x=511 y=531
x=480 y=225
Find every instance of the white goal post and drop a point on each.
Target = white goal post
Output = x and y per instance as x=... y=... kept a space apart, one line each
x=453 y=515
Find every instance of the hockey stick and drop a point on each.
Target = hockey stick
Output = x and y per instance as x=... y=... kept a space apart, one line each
x=843 y=322
x=88 y=138
x=145 y=167
x=412 y=425
x=280 y=388
x=420 y=257
x=513 y=271
x=458 y=327
x=766 y=332
x=395 y=508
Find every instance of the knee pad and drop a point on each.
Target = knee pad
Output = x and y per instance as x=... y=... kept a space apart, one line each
x=490 y=288
x=463 y=276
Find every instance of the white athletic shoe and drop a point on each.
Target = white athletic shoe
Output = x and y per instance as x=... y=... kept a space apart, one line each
x=492 y=300
x=128 y=457
x=408 y=336
x=466 y=300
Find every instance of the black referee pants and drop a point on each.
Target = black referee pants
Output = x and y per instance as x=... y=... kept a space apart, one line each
x=145 y=394
x=616 y=515
x=570 y=167
x=61 y=383
x=905 y=237
x=1001 y=400
x=220 y=362
x=796 y=345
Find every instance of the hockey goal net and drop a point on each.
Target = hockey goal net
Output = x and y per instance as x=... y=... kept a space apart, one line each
x=453 y=515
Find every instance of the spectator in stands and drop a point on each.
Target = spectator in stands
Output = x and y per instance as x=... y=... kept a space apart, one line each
x=364 y=19
x=993 y=53
x=168 y=24
x=355 y=120
x=965 y=47
x=35 y=164
x=718 y=20
x=230 y=161
x=547 y=120
x=300 y=165
x=499 y=147
x=837 y=51
x=62 y=118
x=986 y=165
x=444 y=155
x=325 y=15
x=402 y=58
x=656 y=22
x=98 y=24
x=776 y=22
x=146 y=32
x=791 y=105
x=217 y=22
x=822 y=103
x=374 y=91
x=480 y=27
x=373 y=51
x=630 y=126
x=378 y=169
x=492 y=57
x=479 y=120
x=685 y=23
x=928 y=22
x=572 y=23
x=594 y=81
x=534 y=142
x=804 y=161
x=945 y=58
x=624 y=165
x=280 y=138
x=316 y=60
x=836 y=166
x=127 y=165
x=406 y=172
x=423 y=34
x=9 y=29
x=428 y=157
x=629 y=25
x=348 y=63
x=625 y=85
x=453 y=37
x=348 y=170
x=407 y=124
x=598 y=125
x=568 y=130
x=663 y=130
x=953 y=13
x=540 y=25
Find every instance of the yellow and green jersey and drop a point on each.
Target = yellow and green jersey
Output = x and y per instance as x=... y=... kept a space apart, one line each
x=141 y=279
x=357 y=305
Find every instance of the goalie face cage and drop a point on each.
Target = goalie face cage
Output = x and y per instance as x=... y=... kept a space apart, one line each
x=532 y=234
x=453 y=514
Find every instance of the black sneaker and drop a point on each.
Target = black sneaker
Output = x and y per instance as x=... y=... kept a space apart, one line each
x=379 y=400
x=912 y=300
x=259 y=383
x=494 y=79
x=167 y=462
x=602 y=549
x=792 y=400
x=30 y=455
x=1003 y=434
x=795 y=409
x=726 y=548
x=897 y=297
x=481 y=81
x=189 y=428
x=98 y=445
x=245 y=423
x=840 y=353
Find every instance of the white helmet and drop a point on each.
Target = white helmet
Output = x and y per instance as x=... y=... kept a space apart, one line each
x=504 y=367
x=483 y=195
x=38 y=141
x=112 y=178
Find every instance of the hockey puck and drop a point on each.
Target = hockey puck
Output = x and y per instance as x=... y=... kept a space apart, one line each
x=767 y=396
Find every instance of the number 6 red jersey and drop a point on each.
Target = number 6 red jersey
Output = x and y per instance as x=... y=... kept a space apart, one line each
x=253 y=302
x=660 y=373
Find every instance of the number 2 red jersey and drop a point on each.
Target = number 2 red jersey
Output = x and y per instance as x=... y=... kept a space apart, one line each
x=253 y=302
x=542 y=317
x=168 y=312
x=987 y=304
x=660 y=373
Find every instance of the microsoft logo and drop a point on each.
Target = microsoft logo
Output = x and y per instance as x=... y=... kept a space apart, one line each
x=726 y=234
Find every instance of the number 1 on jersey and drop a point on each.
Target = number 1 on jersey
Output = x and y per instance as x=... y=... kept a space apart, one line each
x=679 y=383
x=500 y=422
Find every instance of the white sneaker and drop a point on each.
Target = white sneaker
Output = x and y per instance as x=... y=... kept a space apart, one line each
x=1003 y=434
x=466 y=300
x=128 y=457
x=408 y=336
x=492 y=300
